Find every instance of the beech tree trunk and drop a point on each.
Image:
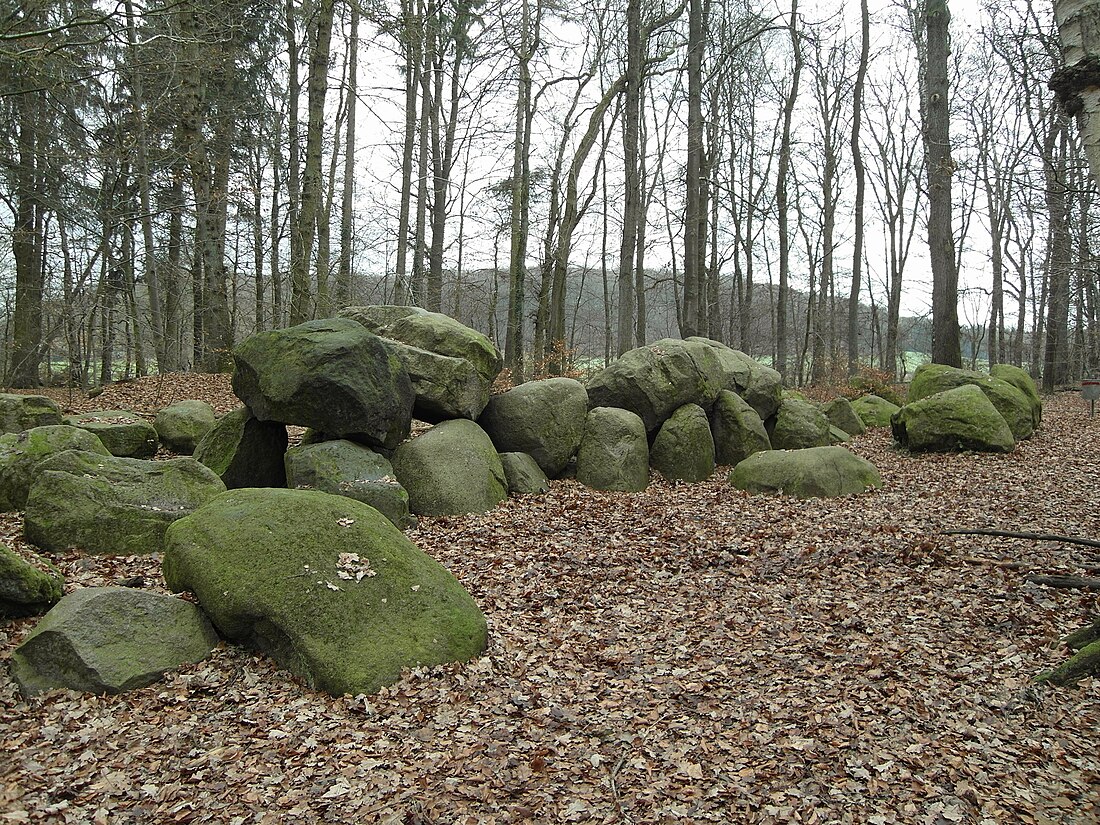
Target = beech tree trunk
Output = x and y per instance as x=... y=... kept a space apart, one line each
x=781 y=199
x=312 y=183
x=857 y=163
x=1078 y=84
x=946 y=346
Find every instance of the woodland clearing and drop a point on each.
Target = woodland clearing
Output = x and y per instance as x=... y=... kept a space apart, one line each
x=686 y=654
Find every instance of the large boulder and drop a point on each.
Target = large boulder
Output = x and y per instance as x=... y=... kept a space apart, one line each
x=524 y=475
x=22 y=412
x=331 y=375
x=21 y=454
x=655 y=380
x=544 y=419
x=181 y=425
x=345 y=468
x=125 y=434
x=842 y=415
x=324 y=584
x=874 y=411
x=105 y=504
x=798 y=424
x=245 y=452
x=614 y=452
x=376 y=317
x=27 y=589
x=736 y=428
x=440 y=333
x=815 y=472
x=1021 y=379
x=444 y=387
x=109 y=640
x=684 y=448
x=759 y=385
x=962 y=418
x=1011 y=403
x=452 y=468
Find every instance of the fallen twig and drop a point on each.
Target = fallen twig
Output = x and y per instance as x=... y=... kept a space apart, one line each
x=1010 y=565
x=1033 y=536
x=1071 y=582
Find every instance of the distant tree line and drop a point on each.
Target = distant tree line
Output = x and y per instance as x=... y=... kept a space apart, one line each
x=575 y=180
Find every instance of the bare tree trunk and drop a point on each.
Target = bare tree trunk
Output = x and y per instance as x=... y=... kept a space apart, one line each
x=150 y=274
x=27 y=246
x=347 y=200
x=294 y=164
x=946 y=346
x=258 y=236
x=694 y=208
x=1078 y=84
x=861 y=174
x=632 y=194
x=412 y=37
x=173 y=299
x=781 y=198
x=276 y=231
x=1059 y=262
x=312 y=183
x=530 y=33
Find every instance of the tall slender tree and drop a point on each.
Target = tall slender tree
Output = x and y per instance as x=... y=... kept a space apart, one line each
x=939 y=169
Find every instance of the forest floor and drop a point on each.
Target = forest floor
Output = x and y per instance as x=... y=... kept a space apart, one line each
x=686 y=654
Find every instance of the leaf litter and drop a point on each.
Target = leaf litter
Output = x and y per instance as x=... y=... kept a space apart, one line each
x=686 y=654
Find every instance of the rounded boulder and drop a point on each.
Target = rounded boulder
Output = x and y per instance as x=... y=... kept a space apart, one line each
x=332 y=375
x=325 y=585
x=544 y=419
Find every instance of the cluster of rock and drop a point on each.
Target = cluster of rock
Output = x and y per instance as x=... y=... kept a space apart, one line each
x=953 y=409
x=683 y=407
x=325 y=584
x=319 y=575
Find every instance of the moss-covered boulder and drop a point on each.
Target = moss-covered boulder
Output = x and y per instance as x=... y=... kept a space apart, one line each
x=874 y=411
x=125 y=434
x=105 y=504
x=344 y=468
x=544 y=419
x=21 y=454
x=614 y=451
x=524 y=475
x=798 y=425
x=1010 y=402
x=759 y=385
x=245 y=452
x=840 y=413
x=182 y=425
x=442 y=334
x=27 y=589
x=1021 y=379
x=736 y=428
x=816 y=472
x=444 y=387
x=331 y=375
x=655 y=380
x=450 y=469
x=376 y=317
x=109 y=640
x=22 y=412
x=684 y=448
x=962 y=418
x=324 y=584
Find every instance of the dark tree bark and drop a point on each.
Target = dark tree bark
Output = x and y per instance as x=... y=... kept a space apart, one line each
x=939 y=166
x=861 y=175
